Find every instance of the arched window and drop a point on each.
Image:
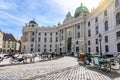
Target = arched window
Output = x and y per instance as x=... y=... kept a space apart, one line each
x=106 y=25
x=118 y=19
x=116 y=3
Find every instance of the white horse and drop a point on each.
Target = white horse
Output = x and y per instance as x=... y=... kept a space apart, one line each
x=29 y=57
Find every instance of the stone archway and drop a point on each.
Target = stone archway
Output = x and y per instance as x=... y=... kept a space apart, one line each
x=69 y=44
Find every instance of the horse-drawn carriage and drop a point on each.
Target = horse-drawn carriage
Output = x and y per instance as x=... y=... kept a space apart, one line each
x=106 y=62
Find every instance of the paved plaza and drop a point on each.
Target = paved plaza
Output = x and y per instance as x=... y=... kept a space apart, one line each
x=66 y=68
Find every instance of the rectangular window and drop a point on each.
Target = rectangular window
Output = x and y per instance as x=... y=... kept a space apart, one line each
x=45 y=34
x=118 y=35
x=51 y=34
x=96 y=19
x=39 y=33
x=89 y=42
x=96 y=41
x=45 y=39
x=97 y=49
x=89 y=49
x=106 y=38
x=106 y=48
x=105 y=13
x=39 y=39
x=50 y=39
x=89 y=23
x=78 y=27
x=56 y=39
x=89 y=33
x=97 y=30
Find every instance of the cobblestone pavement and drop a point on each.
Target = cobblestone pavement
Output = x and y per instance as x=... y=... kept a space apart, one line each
x=66 y=68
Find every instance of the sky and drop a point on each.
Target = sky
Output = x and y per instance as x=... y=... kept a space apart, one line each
x=15 y=13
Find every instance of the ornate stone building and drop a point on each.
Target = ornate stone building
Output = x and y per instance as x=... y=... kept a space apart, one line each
x=78 y=33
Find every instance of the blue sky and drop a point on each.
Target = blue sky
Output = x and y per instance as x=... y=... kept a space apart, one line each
x=15 y=13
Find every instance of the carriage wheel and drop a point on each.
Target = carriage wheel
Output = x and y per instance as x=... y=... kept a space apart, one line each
x=106 y=67
x=114 y=64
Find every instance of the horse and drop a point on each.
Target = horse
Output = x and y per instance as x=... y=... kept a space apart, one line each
x=29 y=56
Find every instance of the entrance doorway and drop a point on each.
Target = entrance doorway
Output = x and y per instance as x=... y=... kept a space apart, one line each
x=118 y=47
x=69 y=43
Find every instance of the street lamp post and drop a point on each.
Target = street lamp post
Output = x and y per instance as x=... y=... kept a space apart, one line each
x=100 y=39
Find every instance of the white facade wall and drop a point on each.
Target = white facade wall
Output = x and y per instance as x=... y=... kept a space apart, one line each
x=69 y=29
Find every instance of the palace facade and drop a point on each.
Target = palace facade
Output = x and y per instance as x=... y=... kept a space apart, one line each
x=78 y=33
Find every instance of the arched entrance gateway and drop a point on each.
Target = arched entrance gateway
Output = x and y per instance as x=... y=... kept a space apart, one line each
x=69 y=44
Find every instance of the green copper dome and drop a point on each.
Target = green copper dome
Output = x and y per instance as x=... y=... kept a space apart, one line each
x=81 y=9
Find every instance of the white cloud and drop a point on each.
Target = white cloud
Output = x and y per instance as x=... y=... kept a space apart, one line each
x=12 y=16
x=5 y=5
x=70 y=5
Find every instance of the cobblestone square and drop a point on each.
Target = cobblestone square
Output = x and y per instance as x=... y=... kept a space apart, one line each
x=66 y=68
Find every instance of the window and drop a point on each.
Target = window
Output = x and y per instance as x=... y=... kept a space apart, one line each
x=89 y=42
x=97 y=49
x=44 y=45
x=39 y=33
x=118 y=19
x=89 y=23
x=38 y=45
x=45 y=34
x=62 y=31
x=56 y=39
x=50 y=39
x=96 y=19
x=50 y=46
x=31 y=45
x=106 y=25
x=45 y=39
x=77 y=42
x=106 y=48
x=97 y=30
x=105 y=13
x=96 y=41
x=31 y=49
x=50 y=50
x=33 y=33
x=39 y=39
x=89 y=49
x=38 y=50
x=51 y=34
x=118 y=35
x=32 y=39
x=56 y=33
x=89 y=33
x=106 y=38
x=116 y=3
x=78 y=34
x=44 y=50
x=118 y=47
x=78 y=27
x=32 y=25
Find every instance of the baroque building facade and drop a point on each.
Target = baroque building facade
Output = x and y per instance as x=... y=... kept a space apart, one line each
x=78 y=33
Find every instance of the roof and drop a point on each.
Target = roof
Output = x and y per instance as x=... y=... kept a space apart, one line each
x=80 y=9
x=8 y=37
